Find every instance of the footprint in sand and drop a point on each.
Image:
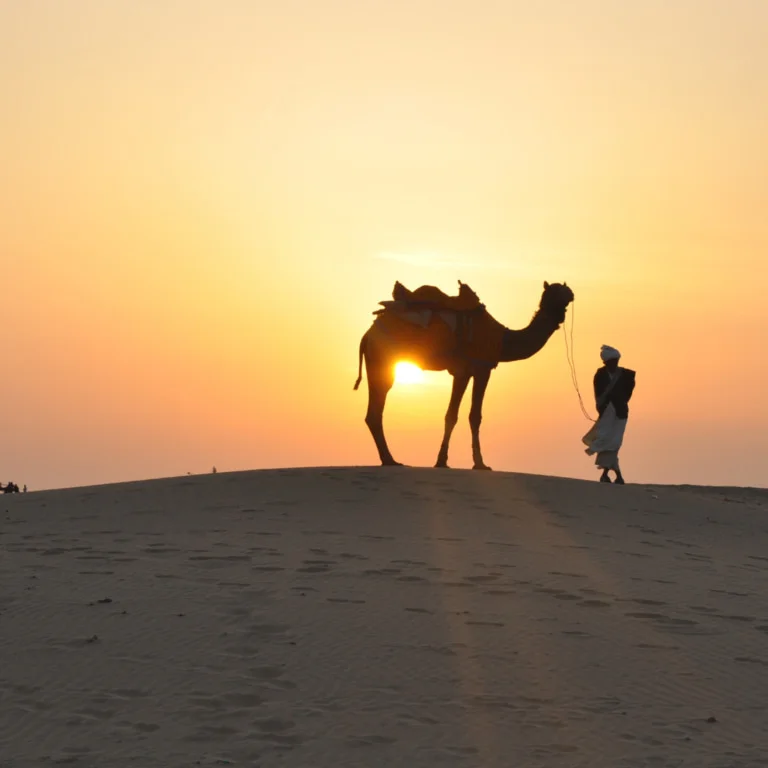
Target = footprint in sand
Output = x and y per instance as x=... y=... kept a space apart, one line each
x=371 y=537
x=345 y=600
x=569 y=574
x=751 y=660
x=96 y=713
x=645 y=601
x=158 y=549
x=730 y=593
x=315 y=567
x=484 y=623
x=658 y=647
x=370 y=740
x=206 y=733
x=381 y=571
x=143 y=727
x=673 y=624
x=272 y=674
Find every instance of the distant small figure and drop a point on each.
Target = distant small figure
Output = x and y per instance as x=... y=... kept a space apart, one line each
x=10 y=488
x=25 y=487
x=214 y=470
x=613 y=390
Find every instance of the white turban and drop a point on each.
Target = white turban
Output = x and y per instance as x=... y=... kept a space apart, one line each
x=609 y=353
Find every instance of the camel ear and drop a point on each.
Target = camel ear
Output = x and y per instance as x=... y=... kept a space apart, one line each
x=546 y=285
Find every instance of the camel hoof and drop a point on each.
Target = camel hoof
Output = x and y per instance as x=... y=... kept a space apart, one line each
x=482 y=466
x=442 y=465
x=392 y=463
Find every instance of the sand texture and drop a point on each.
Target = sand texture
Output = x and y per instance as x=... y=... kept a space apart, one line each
x=383 y=617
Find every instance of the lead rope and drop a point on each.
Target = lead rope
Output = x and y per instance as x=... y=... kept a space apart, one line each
x=569 y=353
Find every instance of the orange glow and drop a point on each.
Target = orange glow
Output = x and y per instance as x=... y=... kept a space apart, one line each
x=202 y=209
x=408 y=373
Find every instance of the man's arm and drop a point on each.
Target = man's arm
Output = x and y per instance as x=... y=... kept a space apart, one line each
x=598 y=386
x=629 y=384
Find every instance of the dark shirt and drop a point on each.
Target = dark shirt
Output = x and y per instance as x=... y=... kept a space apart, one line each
x=621 y=393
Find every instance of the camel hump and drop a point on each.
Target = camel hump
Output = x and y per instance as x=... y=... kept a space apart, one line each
x=431 y=295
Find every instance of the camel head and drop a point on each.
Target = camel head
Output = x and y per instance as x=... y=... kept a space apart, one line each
x=555 y=300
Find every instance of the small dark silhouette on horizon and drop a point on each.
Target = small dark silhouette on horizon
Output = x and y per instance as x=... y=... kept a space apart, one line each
x=438 y=332
x=11 y=488
x=613 y=386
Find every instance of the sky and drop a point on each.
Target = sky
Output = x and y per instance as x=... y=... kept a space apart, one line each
x=202 y=202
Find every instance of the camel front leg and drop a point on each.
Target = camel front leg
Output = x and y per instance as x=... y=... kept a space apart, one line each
x=460 y=381
x=481 y=378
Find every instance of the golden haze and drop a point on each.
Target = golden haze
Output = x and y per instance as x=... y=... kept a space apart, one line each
x=203 y=203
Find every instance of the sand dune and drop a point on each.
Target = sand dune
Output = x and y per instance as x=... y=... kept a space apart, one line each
x=376 y=617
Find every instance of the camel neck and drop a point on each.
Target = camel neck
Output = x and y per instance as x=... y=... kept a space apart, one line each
x=526 y=342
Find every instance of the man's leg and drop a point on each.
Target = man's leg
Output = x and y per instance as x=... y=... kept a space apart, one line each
x=619 y=477
x=602 y=463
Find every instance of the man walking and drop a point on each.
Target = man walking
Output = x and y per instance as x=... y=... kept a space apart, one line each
x=613 y=390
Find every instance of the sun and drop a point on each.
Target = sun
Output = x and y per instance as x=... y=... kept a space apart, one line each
x=408 y=373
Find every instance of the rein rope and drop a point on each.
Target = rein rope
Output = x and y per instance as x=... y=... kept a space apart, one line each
x=569 y=353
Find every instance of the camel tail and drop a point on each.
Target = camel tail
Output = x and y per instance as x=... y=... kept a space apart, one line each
x=360 y=363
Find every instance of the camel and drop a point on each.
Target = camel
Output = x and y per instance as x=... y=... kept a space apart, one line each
x=454 y=334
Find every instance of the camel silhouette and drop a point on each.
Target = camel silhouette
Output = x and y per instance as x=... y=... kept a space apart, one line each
x=448 y=333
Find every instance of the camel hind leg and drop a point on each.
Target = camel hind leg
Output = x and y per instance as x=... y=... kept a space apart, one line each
x=380 y=381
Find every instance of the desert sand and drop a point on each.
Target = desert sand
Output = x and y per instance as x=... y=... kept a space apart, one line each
x=384 y=617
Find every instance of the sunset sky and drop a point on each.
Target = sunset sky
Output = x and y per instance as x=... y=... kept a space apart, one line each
x=202 y=202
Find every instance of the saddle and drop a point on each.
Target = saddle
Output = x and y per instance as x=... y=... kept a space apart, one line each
x=429 y=297
x=471 y=331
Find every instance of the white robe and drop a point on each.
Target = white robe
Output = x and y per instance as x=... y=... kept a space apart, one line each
x=605 y=438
